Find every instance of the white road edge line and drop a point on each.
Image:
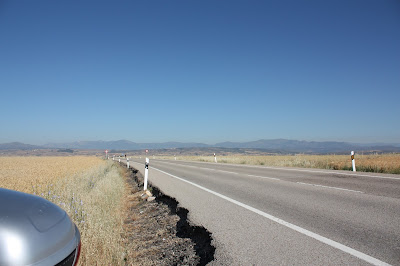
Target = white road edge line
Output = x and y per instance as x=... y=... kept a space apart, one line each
x=338 y=188
x=296 y=228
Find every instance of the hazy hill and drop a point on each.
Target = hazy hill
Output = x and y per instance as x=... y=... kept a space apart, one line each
x=95 y=145
x=273 y=146
x=122 y=145
x=18 y=146
x=291 y=145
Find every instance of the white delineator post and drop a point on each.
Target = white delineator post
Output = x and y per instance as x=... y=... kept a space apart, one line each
x=146 y=173
x=127 y=163
x=215 y=157
x=113 y=157
x=119 y=160
x=353 y=162
x=175 y=157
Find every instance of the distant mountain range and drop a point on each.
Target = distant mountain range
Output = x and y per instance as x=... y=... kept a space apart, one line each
x=123 y=145
x=19 y=146
x=273 y=145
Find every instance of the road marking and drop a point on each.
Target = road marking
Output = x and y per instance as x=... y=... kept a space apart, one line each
x=330 y=172
x=223 y=171
x=296 y=228
x=300 y=170
x=338 y=188
x=265 y=177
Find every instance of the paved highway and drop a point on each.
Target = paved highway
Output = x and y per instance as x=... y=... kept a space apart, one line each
x=268 y=216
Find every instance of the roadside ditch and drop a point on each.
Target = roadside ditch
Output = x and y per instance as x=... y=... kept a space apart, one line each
x=160 y=228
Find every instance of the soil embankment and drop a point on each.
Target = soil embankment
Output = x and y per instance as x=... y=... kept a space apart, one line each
x=159 y=232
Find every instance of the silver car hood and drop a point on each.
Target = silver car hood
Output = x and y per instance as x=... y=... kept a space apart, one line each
x=34 y=231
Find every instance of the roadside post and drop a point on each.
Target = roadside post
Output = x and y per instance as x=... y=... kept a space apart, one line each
x=119 y=160
x=113 y=157
x=353 y=163
x=146 y=173
x=175 y=157
x=127 y=163
x=215 y=157
x=106 y=154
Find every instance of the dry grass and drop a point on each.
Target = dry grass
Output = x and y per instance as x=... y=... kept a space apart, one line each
x=90 y=189
x=384 y=163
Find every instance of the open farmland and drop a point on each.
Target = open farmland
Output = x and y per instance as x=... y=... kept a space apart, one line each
x=377 y=163
x=118 y=226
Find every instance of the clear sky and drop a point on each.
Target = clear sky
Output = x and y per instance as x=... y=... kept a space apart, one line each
x=202 y=71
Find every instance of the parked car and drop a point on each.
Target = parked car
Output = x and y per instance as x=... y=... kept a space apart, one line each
x=34 y=231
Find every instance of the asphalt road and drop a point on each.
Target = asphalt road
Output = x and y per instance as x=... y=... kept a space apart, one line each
x=286 y=216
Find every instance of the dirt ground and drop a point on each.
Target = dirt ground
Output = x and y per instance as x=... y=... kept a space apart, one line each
x=158 y=231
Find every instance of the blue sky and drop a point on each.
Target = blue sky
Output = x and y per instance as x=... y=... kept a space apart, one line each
x=202 y=71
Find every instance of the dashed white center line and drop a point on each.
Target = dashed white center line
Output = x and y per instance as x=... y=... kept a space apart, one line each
x=338 y=188
x=265 y=177
x=359 y=174
x=223 y=171
x=228 y=172
x=270 y=178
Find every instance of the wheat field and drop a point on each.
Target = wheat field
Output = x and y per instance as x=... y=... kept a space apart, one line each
x=89 y=189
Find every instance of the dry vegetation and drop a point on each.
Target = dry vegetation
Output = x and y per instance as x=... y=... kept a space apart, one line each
x=91 y=190
x=384 y=163
x=151 y=230
x=117 y=226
